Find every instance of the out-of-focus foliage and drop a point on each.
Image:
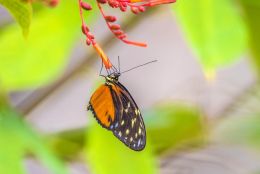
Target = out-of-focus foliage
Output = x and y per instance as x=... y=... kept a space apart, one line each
x=106 y=155
x=173 y=125
x=22 y=12
x=252 y=15
x=169 y=126
x=253 y=3
x=241 y=125
x=215 y=29
x=243 y=130
x=17 y=140
x=38 y=59
x=67 y=145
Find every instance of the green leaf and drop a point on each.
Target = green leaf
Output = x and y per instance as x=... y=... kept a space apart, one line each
x=107 y=155
x=242 y=130
x=17 y=140
x=215 y=30
x=251 y=2
x=40 y=58
x=68 y=144
x=21 y=11
x=172 y=125
x=252 y=15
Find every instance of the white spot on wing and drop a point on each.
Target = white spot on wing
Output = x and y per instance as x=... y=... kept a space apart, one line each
x=139 y=131
x=133 y=122
x=139 y=141
x=127 y=131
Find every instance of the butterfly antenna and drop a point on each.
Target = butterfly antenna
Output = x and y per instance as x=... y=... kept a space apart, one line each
x=101 y=68
x=119 y=64
x=114 y=68
x=107 y=70
x=139 y=66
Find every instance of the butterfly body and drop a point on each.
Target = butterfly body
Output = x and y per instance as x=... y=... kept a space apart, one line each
x=115 y=109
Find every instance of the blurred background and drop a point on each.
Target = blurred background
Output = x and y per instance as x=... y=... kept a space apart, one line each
x=200 y=100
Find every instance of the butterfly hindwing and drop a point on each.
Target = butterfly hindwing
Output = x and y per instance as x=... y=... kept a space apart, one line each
x=129 y=126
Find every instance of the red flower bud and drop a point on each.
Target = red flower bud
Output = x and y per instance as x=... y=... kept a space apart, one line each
x=124 y=4
x=86 y=6
x=141 y=8
x=123 y=8
x=110 y=18
x=115 y=27
x=122 y=36
x=118 y=32
x=135 y=10
x=88 y=42
x=113 y=3
x=91 y=35
x=102 y=1
x=53 y=3
x=84 y=29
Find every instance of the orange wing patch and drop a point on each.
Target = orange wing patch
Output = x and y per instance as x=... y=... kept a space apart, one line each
x=102 y=105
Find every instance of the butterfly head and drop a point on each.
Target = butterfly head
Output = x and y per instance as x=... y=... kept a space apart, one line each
x=113 y=77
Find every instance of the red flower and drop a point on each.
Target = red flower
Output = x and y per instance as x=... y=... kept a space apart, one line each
x=136 y=6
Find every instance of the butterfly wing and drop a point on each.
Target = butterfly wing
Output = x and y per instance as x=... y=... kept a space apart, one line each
x=129 y=125
x=102 y=106
x=115 y=109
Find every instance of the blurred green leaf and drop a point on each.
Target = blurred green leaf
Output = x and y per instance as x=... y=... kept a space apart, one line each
x=40 y=58
x=252 y=16
x=107 y=155
x=69 y=144
x=17 y=140
x=215 y=29
x=251 y=2
x=173 y=125
x=242 y=130
x=21 y=11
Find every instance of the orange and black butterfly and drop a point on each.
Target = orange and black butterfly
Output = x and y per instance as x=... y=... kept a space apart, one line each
x=115 y=109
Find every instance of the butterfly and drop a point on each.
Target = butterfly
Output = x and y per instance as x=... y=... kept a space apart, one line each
x=115 y=110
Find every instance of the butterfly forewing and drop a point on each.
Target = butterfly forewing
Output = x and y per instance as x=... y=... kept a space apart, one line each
x=130 y=127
